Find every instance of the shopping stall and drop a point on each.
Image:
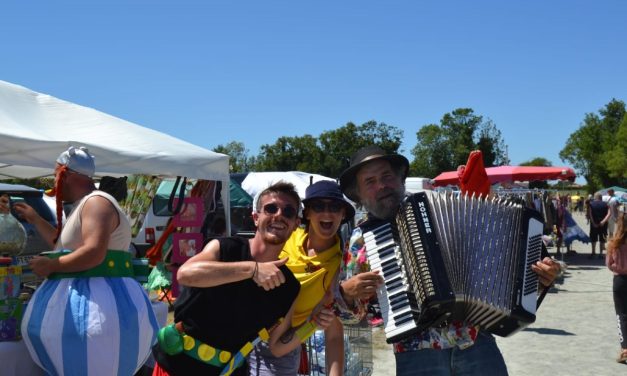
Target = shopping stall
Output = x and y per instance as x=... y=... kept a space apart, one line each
x=35 y=128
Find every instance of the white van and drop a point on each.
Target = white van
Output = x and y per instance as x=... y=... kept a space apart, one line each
x=414 y=184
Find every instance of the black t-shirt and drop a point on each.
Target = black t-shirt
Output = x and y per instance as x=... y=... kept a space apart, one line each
x=229 y=315
x=598 y=210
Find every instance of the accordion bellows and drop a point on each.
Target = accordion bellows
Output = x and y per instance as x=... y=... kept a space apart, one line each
x=454 y=257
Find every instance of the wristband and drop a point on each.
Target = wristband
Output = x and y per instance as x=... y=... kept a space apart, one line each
x=255 y=270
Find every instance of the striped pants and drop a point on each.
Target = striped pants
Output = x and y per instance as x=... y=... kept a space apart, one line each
x=90 y=326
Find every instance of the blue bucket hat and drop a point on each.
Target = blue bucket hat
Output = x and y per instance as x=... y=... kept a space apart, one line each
x=329 y=190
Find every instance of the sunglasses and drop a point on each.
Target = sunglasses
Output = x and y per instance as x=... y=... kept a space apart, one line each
x=322 y=206
x=288 y=212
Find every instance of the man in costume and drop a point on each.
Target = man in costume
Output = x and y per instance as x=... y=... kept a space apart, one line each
x=236 y=292
x=89 y=317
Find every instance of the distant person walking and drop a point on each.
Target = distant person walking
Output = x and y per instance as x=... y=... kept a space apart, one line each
x=599 y=215
x=616 y=261
x=612 y=203
x=586 y=205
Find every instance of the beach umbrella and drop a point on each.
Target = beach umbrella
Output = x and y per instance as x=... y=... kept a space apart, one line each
x=502 y=174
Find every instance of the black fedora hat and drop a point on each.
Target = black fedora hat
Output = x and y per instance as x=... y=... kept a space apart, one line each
x=329 y=190
x=366 y=155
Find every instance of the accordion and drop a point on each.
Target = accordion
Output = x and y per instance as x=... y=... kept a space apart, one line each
x=447 y=257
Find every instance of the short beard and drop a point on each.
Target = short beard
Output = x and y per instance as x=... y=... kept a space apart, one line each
x=387 y=208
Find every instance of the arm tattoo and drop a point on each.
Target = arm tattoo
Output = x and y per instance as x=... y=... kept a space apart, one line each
x=287 y=336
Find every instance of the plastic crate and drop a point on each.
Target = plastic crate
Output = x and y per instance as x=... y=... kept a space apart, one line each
x=357 y=350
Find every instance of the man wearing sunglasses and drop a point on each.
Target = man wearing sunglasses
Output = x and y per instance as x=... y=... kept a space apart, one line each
x=315 y=256
x=236 y=292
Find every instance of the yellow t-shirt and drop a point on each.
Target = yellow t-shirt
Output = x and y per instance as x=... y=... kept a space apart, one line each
x=315 y=273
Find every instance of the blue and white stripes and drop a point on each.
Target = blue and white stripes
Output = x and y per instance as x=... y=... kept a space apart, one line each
x=90 y=326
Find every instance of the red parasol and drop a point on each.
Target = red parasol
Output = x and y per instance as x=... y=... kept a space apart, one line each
x=502 y=174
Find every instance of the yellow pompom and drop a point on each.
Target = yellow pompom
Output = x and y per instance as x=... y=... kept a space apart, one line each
x=206 y=352
x=188 y=343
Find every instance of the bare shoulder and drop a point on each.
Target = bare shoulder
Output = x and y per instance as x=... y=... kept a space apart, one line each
x=99 y=209
x=211 y=252
x=98 y=200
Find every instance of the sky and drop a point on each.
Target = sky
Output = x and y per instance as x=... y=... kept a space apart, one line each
x=211 y=72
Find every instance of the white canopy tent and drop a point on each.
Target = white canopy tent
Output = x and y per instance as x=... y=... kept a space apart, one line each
x=35 y=128
x=256 y=182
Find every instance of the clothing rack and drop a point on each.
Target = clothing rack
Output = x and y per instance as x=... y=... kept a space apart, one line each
x=538 y=199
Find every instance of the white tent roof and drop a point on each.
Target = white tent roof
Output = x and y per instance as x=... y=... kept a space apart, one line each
x=35 y=128
x=256 y=182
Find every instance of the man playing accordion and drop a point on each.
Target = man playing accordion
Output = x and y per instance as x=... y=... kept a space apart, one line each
x=376 y=180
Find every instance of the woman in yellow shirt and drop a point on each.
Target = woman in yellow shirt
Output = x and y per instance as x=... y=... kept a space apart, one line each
x=314 y=255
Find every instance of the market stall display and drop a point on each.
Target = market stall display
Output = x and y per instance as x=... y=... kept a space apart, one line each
x=35 y=127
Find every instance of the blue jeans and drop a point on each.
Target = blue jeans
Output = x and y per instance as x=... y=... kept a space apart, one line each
x=482 y=358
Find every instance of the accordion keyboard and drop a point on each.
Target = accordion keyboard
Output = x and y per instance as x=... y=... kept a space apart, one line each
x=396 y=304
x=446 y=257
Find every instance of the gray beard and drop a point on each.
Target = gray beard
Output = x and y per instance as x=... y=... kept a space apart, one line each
x=385 y=209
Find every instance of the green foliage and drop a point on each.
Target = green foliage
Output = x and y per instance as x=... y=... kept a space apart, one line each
x=492 y=146
x=239 y=159
x=290 y=154
x=431 y=153
x=597 y=149
x=616 y=157
x=330 y=153
x=39 y=183
x=538 y=162
x=443 y=147
x=339 y=145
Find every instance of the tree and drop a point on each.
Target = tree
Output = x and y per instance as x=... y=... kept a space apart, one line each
x=459 y=127
x=431 y=153
x=290 y=154
x=616 y=157
x=327 y=155
x=340 y=144
x=239 y=160
x=538 y=162
x=594 y=149
x=492 y=145
x=445 y=146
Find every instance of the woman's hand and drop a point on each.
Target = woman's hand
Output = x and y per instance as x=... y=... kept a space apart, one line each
x=324 y=318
